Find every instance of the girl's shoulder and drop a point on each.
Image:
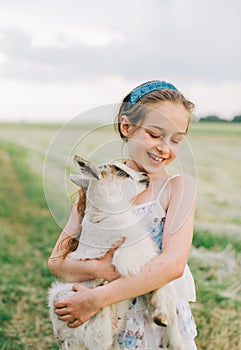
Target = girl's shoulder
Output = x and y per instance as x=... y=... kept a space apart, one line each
x=176 y=186
x=184 y=182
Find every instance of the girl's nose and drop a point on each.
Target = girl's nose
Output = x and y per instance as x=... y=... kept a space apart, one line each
x=163 y=147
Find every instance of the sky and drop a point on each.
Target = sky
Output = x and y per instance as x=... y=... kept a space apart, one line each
x=59 y=58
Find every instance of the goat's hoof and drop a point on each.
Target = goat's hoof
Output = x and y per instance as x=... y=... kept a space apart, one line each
x=160 y=321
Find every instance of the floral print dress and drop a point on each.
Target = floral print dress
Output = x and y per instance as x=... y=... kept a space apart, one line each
x=140 y=331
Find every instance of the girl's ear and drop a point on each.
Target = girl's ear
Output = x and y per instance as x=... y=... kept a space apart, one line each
x=125 y=125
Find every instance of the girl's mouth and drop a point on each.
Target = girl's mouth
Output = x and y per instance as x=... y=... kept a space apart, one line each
x=155 y=157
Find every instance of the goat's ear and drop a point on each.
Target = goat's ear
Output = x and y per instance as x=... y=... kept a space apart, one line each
x=87 y=168
x=78 y=180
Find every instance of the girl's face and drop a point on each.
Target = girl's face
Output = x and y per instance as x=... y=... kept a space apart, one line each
x=155 y=143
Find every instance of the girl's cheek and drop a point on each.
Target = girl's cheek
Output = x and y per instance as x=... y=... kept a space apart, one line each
x=177 y=148
x=151 y=142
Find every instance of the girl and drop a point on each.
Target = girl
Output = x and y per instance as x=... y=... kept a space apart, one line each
x=153 y=120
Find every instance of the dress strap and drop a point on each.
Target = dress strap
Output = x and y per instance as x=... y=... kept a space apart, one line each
x=164 y=186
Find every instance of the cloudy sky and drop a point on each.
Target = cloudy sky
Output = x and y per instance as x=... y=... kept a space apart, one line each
x=59 y=58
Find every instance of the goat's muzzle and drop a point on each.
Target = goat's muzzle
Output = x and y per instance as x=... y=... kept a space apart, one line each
x=145 y=179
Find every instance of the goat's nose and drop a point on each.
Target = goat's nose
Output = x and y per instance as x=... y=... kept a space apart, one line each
x=145 y=179
x=143 y=174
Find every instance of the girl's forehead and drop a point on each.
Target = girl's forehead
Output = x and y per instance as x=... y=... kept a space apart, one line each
x=167 y=115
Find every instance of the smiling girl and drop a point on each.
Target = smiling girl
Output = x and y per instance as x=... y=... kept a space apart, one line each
x=152 y=120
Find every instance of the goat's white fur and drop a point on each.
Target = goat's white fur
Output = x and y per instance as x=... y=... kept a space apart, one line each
x=109 y=216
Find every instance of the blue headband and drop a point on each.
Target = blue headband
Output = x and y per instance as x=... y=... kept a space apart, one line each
x=144 y=89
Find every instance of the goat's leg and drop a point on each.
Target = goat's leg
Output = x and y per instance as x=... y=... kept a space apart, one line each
x=98 y=332
x=163 y=311
x=172 y=338
x=162 y=307
x=71 y=344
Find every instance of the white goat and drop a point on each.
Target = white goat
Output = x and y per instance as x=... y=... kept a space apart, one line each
x=109 y=216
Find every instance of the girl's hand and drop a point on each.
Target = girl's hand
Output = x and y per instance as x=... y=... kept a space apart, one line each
x=103 y=266
x=79 y=308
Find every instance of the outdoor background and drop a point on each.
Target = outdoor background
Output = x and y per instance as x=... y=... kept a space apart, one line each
x=64 y=67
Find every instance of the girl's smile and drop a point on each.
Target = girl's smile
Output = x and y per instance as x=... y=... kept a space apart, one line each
x=155 y=157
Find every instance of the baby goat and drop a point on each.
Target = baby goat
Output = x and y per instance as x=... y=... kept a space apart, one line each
x=109 y=216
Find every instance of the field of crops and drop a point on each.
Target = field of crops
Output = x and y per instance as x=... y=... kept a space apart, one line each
x=35 y=161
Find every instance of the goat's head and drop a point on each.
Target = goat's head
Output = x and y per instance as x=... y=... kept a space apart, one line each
x=113 y=182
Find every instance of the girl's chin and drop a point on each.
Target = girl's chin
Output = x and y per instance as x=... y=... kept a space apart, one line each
x=154 y=169
x=155 y=164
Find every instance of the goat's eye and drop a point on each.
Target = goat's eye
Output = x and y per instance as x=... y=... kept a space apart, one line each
x=122 y=173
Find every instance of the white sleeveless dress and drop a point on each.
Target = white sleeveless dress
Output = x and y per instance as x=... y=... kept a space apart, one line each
x=140 y=331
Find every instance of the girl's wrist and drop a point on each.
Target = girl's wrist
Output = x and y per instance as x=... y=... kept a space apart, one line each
x=111 y=293
x=92 y=268
x=100 y=297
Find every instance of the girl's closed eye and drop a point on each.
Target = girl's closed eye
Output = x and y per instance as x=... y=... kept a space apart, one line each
x=176 y=141
x=178 y=138
x=156 y=135
x=153 y=134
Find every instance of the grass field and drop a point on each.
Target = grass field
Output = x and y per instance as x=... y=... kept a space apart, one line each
x=28 y=231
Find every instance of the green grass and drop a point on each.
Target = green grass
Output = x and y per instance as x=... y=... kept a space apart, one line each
x=224 y=129
x=215 y=263
x=216 y=242
x=217 y=310
x=27 y=236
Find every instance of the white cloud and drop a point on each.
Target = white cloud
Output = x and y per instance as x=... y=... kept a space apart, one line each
x=74 y=45
x=222 y=99
x=57 y=102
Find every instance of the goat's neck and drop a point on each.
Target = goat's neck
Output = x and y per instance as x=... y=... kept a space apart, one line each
x=105 y=206
x=108 y=211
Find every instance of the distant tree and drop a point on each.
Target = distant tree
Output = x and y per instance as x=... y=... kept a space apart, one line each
x=237 y=119
x=212 y=119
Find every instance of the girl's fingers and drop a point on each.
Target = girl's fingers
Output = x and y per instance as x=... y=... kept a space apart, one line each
x=61 y=312
x=75 y=323
x=66 y=318
x=77 y=287
x=60 y=304
x=117 y=244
